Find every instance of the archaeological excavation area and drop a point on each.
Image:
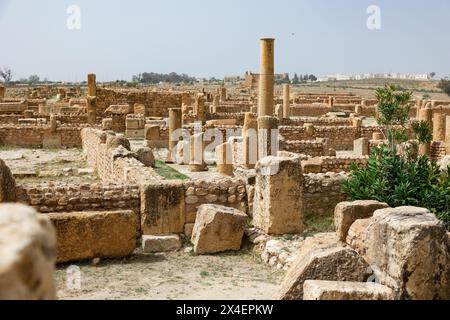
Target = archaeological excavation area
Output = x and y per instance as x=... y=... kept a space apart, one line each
x=208 y=192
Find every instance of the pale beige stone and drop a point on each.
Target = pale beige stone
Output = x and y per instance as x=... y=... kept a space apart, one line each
x=407 y=248
x=217 y=229
x=27 y=254
x=162 y=243
x=346 y=213
x=322 y=258
x=345 y=290
x=278 y=201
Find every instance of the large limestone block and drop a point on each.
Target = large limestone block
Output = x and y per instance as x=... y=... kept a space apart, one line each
x=87 y=235
x=322 y=258
x=407 y=248
x=278 y=201
x=346 y=213
x=163 y=208
x=345 y=290
x=27 y=254
x=217 y=229
x=7 y=184
x=357 y=235
x=162 y=243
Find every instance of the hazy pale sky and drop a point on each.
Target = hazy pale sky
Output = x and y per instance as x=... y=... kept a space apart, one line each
x=215 y=38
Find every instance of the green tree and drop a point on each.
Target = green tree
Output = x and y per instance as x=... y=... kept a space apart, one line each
x=444 y=85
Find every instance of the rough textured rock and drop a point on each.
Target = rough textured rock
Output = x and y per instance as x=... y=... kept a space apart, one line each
x=345 y=290
x=163 y=208
x=27 y=254
x=278 y=200
x=161 y=243
x=217 y=229
x=117 y=141
x=7 y=184
x=145 y=155
x=346 y=213
x=357 y=235
x=87 y=235
x=322 y=258
x=407 y=248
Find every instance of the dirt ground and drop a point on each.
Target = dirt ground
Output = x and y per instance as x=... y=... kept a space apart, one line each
x=176 y=275
x=30 y=165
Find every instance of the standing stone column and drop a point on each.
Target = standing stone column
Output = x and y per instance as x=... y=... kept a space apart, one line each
x=174 y=124
x=267 y=136
x=224 y=158
x=286 y=100
x=53 y=123
x=331 y=102
x=91 y=110
x=197 y=163
x=278 y=201
x=2 y=93
x=92 y=85
x=279 y=112
x=426 y=114
x=266 y=78
x=250 y=140
x=439 y=127
x=215 y=103
x=223 y=94
x=199 y=108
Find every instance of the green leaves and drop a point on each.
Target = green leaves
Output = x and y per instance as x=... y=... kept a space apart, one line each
x=402 y=181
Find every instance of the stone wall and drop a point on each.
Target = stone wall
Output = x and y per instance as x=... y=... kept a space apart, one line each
x=310 y=148
x=40 y=136
x=156 y=103
x=322 y=192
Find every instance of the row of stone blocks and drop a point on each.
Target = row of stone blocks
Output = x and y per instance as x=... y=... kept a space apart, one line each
x=405 y=251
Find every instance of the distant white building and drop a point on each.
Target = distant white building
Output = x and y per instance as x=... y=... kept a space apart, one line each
x=340 y=77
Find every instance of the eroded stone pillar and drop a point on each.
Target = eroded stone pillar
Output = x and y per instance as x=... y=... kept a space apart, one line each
x=266 y=78
x=199 y=108
x=92 y=85
x=223 y=94
x=215 y=104
x=286 y=100
x=2 y=93
x=91 y=110
x=439 y=127
x=279 y=112
x=267 y=136
x=174 y=125
x=197 y=163
x=331 y=102
x=53 y=123
x=224 y=156
x=278 y=201
x=250 y=140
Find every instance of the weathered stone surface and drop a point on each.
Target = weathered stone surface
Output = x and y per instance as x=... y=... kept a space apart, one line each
x=217 y=229
x=346 y=213
x=322 y=258
x=357 y=235
x=163 y=208
x=278 y=200
x=145 y=155
x=162 y=243
x=7 y=184
x=27 y=254
x=345 y=290
x=87 y=235
x=407 y=248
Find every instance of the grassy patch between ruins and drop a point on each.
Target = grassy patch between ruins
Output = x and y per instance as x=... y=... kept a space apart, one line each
x=319 y=224
x=167 y=172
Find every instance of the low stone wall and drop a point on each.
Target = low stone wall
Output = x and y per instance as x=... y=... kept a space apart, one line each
x=40 y=136
x=310 y=148
x=112 y=164
x=342 y=164
x=322 y=192
x=156 y=103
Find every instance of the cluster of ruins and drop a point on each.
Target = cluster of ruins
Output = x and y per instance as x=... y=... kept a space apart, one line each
x=255 y=165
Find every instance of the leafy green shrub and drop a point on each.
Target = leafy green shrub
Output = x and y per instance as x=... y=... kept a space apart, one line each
x=400 y=181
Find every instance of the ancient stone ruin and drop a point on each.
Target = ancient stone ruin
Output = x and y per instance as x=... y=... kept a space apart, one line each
x=195 y=172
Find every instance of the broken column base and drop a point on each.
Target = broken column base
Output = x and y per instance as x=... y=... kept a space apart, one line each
x=345 y=290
